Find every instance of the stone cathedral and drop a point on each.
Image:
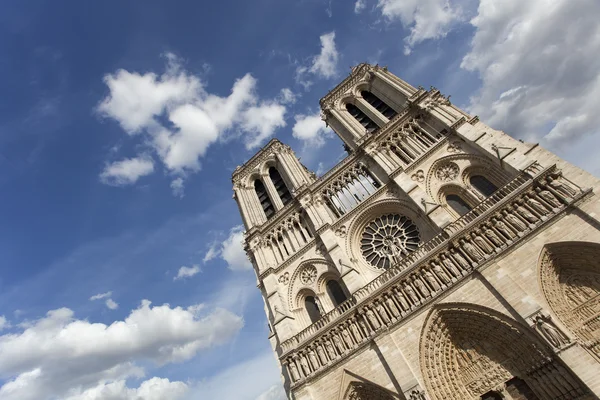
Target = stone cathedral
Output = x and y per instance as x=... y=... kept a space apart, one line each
x=441 y=259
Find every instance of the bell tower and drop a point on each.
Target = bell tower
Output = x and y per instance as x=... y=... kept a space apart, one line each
x=436 y=261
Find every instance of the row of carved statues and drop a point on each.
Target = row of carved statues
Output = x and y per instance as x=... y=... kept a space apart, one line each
x=427 y=280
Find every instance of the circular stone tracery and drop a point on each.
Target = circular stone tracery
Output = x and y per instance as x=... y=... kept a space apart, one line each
x=387 y=239
x=447 y=172
x=308 y=275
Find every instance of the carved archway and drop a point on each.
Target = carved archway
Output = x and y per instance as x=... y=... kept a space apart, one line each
x=467 y=351
x=570 y=281
x=366 y=391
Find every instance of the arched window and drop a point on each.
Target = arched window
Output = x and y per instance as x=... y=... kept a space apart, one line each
x=458 y=204
x=310 y=303
x=336 y=293
x=483 y=185
x=264 y=199
x=378 y=104
x=361 y=117
x=280 y=186
x=492 y=395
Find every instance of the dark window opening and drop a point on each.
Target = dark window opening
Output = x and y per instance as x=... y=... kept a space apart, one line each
x=492 y=395
x=458 y=204
x=518 y=389
x=280 y=186
x=378 y=104
x=361 y=117
x=483 y=185
x=336 y=293
x=312 y=308
x=264 y=199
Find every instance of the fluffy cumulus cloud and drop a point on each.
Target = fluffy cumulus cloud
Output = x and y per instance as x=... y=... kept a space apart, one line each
x=232 y=250
x=151 y=389
x=59 y=356
x=180 y=119
x=539 y=67
x=310 y=128
x=178 y=187
x=127 y=171
x=187 y=272
x=359 y=6
x=426 y=19
x=323 y=65
x=110 y=303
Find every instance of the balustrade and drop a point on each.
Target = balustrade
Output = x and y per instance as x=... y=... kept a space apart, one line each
x=289 y=236
x=510 y=214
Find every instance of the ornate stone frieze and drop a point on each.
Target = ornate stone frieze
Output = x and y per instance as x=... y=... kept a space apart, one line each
x=436 y=267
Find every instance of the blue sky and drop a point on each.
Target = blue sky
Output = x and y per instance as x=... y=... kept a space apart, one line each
x=120 y=125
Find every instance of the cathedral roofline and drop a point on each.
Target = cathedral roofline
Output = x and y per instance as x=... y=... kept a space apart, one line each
x=357 y=72
x=240 y=169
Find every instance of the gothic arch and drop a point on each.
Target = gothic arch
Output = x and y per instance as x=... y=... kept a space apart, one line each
x=569 y=274
x=459 y=166
x=366 y=391
x=467 y=350
x=458 y=190
x=297 y=285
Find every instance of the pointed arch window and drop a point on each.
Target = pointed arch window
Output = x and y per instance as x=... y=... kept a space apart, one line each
x=483 y=185
x=361 y=117
x=378 y=104
x=280 y=186
x=336 y=292
x=312 y=308
x=458 y=204
x=264 y=199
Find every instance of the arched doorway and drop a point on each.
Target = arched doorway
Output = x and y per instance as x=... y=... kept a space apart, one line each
x=570 y=280
x=469 y=351
x=366 y=391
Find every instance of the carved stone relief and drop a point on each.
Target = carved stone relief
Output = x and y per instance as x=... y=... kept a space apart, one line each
x=308 y=275
x=447 y=172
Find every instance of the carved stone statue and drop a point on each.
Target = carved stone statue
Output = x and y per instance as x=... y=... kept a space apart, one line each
x=322 y=355
x=411 y=294
x=382 y=313
x=347 y=338
x=550 y=332
x=313 y=359
x=433 y=283
x=503 y=228
x=548 y=197
x=420 y=286
x=417 y=394
x=401 y=299
x=372 y=319
x=364 y=326
x=523 y=212
x=304 y=364
x=482 y=243
x=338 y=343
x=293 y=370
x=561 y=188
x=449 y=264
x=391 y=306
x=471 y=250
x=464 y=265
x=356 y=332
x=330 y=350
x=440 y=273
x=514 y=221
x=536 y=205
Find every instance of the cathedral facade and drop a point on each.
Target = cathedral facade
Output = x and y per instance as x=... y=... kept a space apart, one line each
x=441 y=259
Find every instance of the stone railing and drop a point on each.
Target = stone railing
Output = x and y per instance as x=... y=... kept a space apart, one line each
x=513 y=213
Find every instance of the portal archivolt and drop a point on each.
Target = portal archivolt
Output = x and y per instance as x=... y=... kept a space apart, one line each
x=472 y=352
x=570 y=280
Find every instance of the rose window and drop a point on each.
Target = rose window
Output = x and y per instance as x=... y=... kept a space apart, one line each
x=308 y=275
x=447 y=172
x=387 y=239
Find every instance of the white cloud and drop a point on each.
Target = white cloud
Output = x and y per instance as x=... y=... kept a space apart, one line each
x=427 y=19
x=359 y=6
x=286 y=96
x=310 y=128
x=232 y=250
x=127 y=171
x=539 y=67
x=275 y=392
x=4 y=323
x=177 y=187
x=100 y=296
x=254 y=377
x=197 y=118
x=59 y=355
x=110 y=303
x=187 y=272
x=152 y=389
x=325 y=64
x=213 y=251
